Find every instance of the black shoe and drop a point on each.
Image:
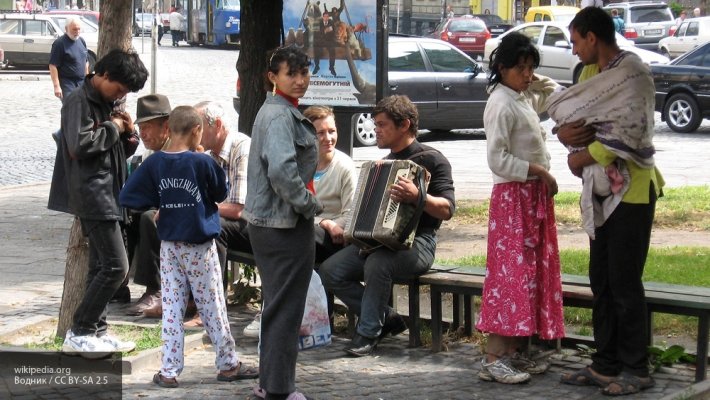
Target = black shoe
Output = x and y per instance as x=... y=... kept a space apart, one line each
x=332 y=71
x=122 y=295
x=394 y=325
x=315 y=70
x=362 y=346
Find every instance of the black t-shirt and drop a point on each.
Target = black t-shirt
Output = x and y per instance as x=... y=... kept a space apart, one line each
x=441 y=183
x=69 y=56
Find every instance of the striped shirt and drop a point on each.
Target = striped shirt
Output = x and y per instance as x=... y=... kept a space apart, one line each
x=233 y=158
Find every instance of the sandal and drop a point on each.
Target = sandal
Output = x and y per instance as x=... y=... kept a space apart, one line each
x=586 y=377
x=238 y=373
x=164 y=382
x=628 y=384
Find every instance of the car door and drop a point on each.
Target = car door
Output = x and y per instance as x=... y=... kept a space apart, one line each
x=11 y=40
x=699 y=75
x=39 y=36
x=408 y=75
x=556 y=58
x=461 y=88
x=689 y=41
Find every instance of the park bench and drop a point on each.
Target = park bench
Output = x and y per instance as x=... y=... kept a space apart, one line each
x=465 y=282
x=242 y=257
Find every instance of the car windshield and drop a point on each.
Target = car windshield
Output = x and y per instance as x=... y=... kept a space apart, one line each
x=86 y=26
x=466 y=25
x=144 y=17
x=230 y=4
x=650 y=14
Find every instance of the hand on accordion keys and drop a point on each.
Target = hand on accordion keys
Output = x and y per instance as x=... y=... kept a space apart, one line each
x=404 y=191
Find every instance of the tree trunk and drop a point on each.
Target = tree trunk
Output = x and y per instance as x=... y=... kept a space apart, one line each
x=77 y=267
x=262 y=30
x=115 y=26
x=114 y=32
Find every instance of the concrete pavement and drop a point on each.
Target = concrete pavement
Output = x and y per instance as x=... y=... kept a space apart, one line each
x=32 y=263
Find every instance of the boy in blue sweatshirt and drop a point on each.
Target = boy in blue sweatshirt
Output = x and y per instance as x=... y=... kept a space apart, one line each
x=186 y=186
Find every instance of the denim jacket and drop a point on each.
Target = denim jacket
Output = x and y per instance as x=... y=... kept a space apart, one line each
x=282 y=159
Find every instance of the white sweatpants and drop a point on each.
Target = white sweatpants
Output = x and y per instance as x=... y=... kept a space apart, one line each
x=185 y=267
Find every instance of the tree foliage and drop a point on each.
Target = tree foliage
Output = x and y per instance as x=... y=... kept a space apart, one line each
x=261 y=31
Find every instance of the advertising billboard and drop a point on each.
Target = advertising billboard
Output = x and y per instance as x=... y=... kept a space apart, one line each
x=340 y=39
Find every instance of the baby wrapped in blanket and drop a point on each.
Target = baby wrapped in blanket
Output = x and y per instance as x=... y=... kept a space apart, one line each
x=613 y=103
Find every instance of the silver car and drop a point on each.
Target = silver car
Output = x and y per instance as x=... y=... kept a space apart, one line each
x=27 y=39
x=552 y=40
x=448 y=87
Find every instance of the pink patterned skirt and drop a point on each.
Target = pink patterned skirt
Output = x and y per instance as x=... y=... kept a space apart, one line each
x=522 y=293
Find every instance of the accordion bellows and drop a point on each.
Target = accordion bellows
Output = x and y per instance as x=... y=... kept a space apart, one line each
x=375 y=219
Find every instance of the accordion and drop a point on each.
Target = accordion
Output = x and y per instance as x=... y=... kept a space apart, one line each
x=375 y=219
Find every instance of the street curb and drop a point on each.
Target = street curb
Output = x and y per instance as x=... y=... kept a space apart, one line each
x=25 y=77
x=698 y=391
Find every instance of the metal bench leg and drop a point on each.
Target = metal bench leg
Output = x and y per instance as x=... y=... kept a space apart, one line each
x=415 y=339
x=435 y=319
x=701 y=364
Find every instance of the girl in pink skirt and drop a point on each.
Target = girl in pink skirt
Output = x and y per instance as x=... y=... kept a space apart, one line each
x=522 y=293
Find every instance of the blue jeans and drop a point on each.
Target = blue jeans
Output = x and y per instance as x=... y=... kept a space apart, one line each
x=108 y=266
x=344 y=272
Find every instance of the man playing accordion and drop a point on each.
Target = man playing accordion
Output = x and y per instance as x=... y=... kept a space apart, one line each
x=396 y=121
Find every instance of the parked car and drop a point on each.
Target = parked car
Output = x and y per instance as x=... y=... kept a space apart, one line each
x=692 y=33
x=468 y=33
x=557 y=61
x=495 y=24
x=645 y=23
x=89 y=30
x=143 y=24
x=562 y=14
x=447 y=86
x=93 y=16
x=683 y=89
x=27 y=39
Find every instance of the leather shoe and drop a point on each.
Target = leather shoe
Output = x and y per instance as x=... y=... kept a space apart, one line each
x=122 y=295
x=362 y=346
x=315 y=70
x=154 y=311
x=147 y=300
x=394 y=325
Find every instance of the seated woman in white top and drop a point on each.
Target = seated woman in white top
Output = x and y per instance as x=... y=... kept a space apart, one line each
x=334 y=183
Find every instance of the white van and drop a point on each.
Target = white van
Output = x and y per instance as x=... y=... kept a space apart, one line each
x=690 y=34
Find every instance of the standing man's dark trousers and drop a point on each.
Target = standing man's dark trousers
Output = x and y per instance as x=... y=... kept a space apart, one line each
x=285 y=260
x=68 y=85
x=108 y=266
x=175 y=34
x=619 y=314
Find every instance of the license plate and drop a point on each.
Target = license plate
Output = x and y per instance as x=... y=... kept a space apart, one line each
x=467 y=40
x=653 y=32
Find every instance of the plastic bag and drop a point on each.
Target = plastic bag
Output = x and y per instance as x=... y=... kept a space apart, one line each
x=315 y=326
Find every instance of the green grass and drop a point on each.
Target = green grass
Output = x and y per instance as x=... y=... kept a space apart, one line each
x=685 y=208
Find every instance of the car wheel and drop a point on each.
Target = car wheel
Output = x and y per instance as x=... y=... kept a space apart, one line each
x=92 y=60
x=681 y=113
x=364 y=128
x=665 y=52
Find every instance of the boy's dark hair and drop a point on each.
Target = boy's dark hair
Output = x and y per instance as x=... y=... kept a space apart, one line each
x=123 y=67
x=296 y=60
x=512 y=48
x=597 y=21
x=183 y=119
x=399 y=109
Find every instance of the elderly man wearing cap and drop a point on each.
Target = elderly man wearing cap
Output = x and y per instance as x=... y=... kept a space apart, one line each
x=143 y=243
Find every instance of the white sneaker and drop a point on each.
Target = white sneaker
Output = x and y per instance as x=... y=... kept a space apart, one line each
x=254 y=327
x=87 y=346
x=118 y=344
x=501 y=371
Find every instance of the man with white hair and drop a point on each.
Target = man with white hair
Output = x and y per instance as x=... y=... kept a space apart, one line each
x=696 y=12
x=68 y=61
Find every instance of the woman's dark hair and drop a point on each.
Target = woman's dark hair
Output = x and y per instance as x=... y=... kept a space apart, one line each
x=294 y=57
x=124 y=67
x=511 y=49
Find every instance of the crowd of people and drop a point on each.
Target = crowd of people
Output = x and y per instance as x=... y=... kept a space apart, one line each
x=200 y=189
